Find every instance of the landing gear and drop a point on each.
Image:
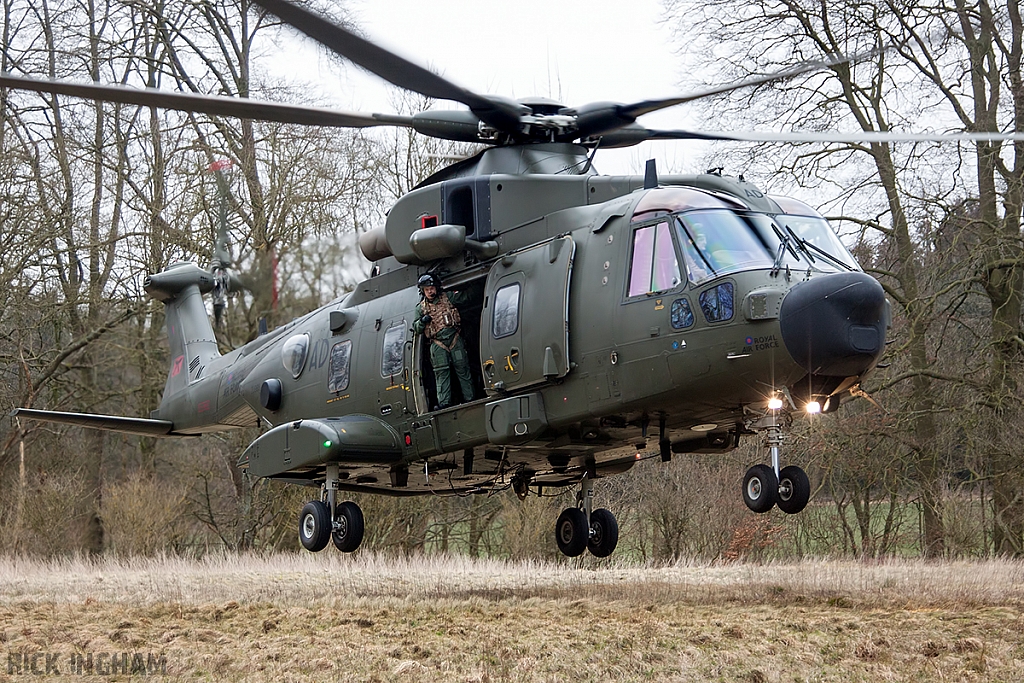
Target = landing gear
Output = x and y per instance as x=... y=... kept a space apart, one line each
x=764 y=486
x=315 y=526
x=348 y=527
x=794 y=489
x=760 y=487
x=317 y=529
x=604 y=533
x=579 y=528
x=572 y=532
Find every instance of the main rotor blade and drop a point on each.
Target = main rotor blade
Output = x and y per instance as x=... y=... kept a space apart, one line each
x=648 y=106
x=500 y=113
x=631 y=135
x=867 y=136
x=239 y=107
x=599 y=117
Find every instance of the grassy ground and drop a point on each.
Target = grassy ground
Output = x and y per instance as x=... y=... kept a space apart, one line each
x=366 y=618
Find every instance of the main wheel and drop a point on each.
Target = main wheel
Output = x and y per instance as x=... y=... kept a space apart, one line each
x=572 y=532
x=760 y=488
x=349 y=533
x=604 y=533
x=315 y=526
x=794 y=490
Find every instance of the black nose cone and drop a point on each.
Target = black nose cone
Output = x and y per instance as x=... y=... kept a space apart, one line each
x=835 y=324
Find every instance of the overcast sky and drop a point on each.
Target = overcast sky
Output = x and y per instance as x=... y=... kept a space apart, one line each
x=574 y=51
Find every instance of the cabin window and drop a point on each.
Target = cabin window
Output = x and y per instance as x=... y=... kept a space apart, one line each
x=338 y=375
x=717 y=303
x=719 y=242
x=682 y=314
x=654 y=267
x=506 y=311
x=393 y=358
x=293 y=354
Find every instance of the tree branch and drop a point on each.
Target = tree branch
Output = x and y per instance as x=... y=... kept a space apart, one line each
x=76 y=346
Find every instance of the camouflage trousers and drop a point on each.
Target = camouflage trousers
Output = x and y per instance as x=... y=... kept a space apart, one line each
x=443 y=361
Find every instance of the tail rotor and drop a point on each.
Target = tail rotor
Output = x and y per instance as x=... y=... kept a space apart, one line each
x=225 y=282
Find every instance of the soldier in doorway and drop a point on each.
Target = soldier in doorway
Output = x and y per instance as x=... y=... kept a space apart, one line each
x=438 y=319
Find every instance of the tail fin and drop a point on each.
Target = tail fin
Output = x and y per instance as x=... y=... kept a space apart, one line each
x=193 y=344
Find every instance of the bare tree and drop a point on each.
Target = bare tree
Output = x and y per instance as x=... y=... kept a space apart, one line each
x=940 y=48
x=96 y=195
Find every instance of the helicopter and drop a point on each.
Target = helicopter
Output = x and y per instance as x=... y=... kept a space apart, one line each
x=608 y=319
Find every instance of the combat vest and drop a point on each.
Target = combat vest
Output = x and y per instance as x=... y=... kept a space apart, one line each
x=442 y=314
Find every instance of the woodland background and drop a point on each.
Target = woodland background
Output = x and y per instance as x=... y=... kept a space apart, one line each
x=94 y=196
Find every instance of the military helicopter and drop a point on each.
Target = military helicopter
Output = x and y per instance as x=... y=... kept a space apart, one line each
x=605 y=314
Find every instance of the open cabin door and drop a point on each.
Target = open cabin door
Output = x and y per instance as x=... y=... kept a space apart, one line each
x=524 y=326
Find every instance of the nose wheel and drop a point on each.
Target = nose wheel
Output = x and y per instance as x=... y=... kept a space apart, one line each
x=581 y=528
x=760 y=488
x=766 y=486
x=794 y=490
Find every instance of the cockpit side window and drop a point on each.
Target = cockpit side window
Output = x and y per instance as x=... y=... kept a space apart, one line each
x=653 y=266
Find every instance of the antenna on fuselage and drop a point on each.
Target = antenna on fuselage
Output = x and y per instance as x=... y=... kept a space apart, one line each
x=651 y=175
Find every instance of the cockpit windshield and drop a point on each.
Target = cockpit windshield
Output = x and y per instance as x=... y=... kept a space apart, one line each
x=821 y=244
x=717 y=242
x=802 y=241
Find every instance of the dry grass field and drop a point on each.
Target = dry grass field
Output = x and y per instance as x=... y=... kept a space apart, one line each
x=374 y=618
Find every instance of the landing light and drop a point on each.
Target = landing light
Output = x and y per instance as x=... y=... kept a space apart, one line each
x=774 y=403
x=813 y=407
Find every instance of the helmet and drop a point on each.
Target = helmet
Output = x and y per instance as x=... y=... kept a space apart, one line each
x=429 y=280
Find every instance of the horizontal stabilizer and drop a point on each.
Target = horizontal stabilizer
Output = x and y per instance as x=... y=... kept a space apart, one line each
x=110 y=423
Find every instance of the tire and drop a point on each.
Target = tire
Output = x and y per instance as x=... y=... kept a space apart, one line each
x=794 y=490
x=315 y=526
x=604 y=533
x=349 y=533
x=572 y=532
x=760 y=488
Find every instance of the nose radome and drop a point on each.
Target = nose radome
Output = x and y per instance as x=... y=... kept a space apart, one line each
x=834 y=325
